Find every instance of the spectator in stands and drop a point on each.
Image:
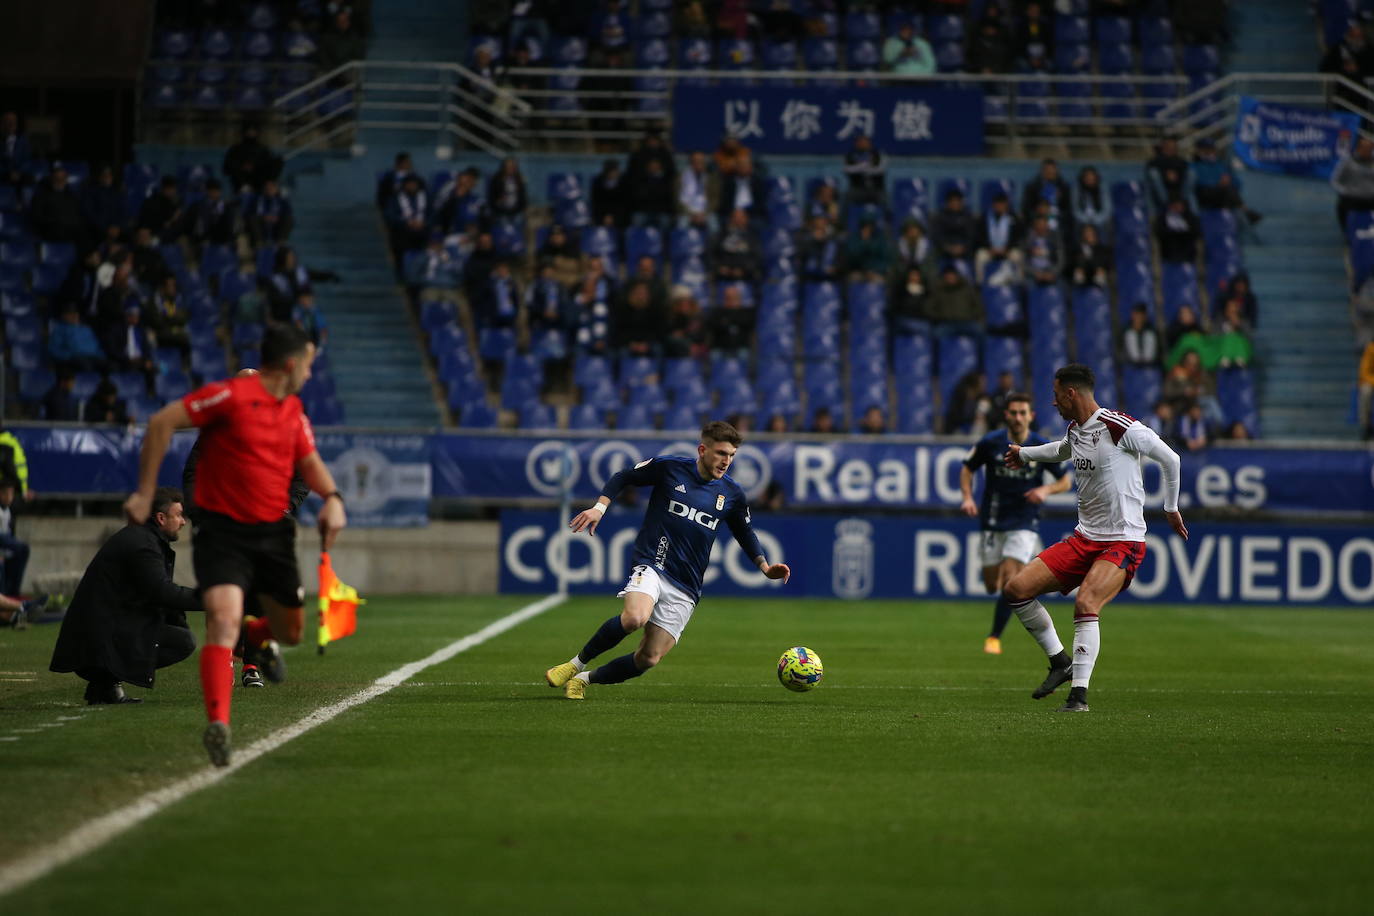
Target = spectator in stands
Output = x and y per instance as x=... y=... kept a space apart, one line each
x=954 y=306
x=914 y=250
x=503 y=300
x=529 y=25
x=907 y=304
x=638 y=326
x=102 y=205
x=1353 y=179
x=564 y=254
x=1167 y=175
x=997 y=400
x=407 y=217
x=1092 y=205
x=610 y=204
x=1238 y=289
x=477 y=273
x=867 y=171
x=149 y=264
x=954 y=231
x=298 y=45
x=1215 y=185
x=646 y=271
x=686 y=327
x=212 y=220
x=697 y=191
x=249 y=163
x=1188 y=383
x=591 y=307
x=822 y=422
x=873 y=423
x=1365 y=384
x=482 y=81
x=732 y=324
x=777 y=423
x=390 y=183
x=81 y=287
x=56 y=209
x=968 y=405
x=288 y=283
x=272 y=218
x=999 y=239
x=506 y=191
x=616 y=87
x=907 y=53
x=1184 y=324
x=824 y=203
x=547 y=306
x=116 y=299
x=867 y=253
x=1178 y=233
x=1048 y=186
x=651 y=149
x=740 y=190
x=459 y=205
x=1192 y=428
x=15 y=154
x=341 y=43
x=1042 y=252
x=130 y=346
x=1035 y=38
x=308 y=317
x=161 y=212
x=737 y=256
x=1164 y=423
x=168 y=316
x=1140 y=340
x=1237 y=432
x=72 y=345
x=433 y=273
x=819 y=256
x=1089 y=260
x=731 y=156
x=651 y=197
x=989 y=43
x=1353 y=48
x=690 y=20
x=60 y=404
x=610 y=29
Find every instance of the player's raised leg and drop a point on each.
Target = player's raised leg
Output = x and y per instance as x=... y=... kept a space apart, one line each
x=263 y=636
x=1022 y=595
x=1102 y=583
x=223 y=616
x=638 y=606
x=657 y=642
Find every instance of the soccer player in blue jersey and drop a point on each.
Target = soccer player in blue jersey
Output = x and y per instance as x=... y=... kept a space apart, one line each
x=1010 y=511
x=691 y=497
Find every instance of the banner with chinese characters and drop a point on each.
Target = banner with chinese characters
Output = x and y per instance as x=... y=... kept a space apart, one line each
x=907 y=120
x=1291 y=140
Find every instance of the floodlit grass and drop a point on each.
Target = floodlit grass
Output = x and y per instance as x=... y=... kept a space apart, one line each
x=1225 y=768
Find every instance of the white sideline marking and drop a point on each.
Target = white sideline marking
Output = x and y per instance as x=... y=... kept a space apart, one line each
x=96 y=833
x=646 y=685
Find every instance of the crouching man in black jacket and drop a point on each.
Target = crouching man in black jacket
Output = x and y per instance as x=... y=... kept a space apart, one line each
x=127 y=617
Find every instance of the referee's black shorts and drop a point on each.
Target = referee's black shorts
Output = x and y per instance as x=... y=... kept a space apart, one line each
x=258 y=558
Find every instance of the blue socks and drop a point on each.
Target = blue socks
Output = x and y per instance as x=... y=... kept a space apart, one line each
x=1000 y=615
x=617 y=670
x=607 y=637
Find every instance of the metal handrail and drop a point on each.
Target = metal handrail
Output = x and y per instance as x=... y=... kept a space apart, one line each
x=851 y=75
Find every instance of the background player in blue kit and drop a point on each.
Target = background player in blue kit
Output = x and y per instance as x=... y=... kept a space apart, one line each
x=1010 y=511
x=691 y=497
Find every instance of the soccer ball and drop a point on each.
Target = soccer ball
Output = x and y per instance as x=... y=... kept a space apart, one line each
x=800 y=669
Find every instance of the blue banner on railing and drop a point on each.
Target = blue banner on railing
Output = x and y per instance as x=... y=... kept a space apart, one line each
x=1292 y=140
x=385 y=480
x=888 y=557
x=908 y=121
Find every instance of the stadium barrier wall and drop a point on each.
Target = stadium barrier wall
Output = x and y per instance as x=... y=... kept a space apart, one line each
x=860 y=557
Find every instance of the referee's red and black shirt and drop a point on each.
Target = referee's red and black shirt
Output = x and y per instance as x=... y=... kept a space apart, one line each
x=250 y=443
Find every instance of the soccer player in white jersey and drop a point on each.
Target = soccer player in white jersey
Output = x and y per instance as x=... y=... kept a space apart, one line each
x=1102 y=555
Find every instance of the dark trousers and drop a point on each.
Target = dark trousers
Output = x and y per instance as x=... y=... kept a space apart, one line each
x=174 y=644
x=16 y=559
x=1347 y=205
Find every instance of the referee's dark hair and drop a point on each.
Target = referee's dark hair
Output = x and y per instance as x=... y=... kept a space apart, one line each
x=1074 y=375
x=163 y=498
x=280 y=343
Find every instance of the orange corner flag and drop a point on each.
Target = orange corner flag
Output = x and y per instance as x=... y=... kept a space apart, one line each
x=338 y=605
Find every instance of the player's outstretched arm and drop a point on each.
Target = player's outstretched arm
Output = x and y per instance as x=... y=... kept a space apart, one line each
x=589 y=518
x=967 y=504
x=1145 y=441
x=333 y=516
x=773 y=570
x=1175 y=519
x=156 y=440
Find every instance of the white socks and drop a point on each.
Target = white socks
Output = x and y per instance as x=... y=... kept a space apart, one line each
x=1037 y=621
x=578 y=663
x=1086 y=641
x=583 y=676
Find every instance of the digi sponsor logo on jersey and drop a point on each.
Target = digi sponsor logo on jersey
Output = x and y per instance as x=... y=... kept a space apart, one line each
x=683 y=510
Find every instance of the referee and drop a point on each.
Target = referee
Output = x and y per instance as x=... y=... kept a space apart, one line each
x=256 y=437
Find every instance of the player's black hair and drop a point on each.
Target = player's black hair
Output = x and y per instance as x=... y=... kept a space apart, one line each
x=720 y=431
x=1076 y=375
x=1018 y=397
x=280 y=343
x=163 y=498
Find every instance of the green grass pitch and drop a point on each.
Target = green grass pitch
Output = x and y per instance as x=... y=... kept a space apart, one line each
x=1227 y=766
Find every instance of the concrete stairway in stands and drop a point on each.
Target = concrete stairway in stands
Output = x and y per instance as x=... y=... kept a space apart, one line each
x=1273 y=36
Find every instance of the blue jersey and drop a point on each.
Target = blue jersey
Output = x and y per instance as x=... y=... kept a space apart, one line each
x=684 y=512
x=1004 y=506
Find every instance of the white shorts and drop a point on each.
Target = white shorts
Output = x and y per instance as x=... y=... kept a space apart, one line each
x=1021 y=544
x=672 y=606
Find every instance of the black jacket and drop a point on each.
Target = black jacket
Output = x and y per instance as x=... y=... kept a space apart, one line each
x=125 y=595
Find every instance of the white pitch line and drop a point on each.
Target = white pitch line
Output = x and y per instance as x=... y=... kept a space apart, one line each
x=937 y=688
x=96 y=833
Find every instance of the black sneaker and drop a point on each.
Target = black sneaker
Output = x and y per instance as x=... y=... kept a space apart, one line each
x=252 y=677
x=268 y=658
x=1078 y=700
x=1052 y=680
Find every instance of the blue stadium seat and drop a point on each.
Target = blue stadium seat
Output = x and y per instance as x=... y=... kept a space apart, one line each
x=1141 y=387
x=942 y=28
x=1003 y=307
x=682 y=419
x=572 y=214
x=862 y=55
x=538 y=416
x=1179 y=286
x=207 y=98
x=585 y=417
x=569 y=50
x=175 y=43
x=1115 y=58
x=949 y=56
x=1157 y=60
x=1156 y=30
x=496 y=344
x=477 y=415
x=169 y=387
x=13 y=226
x=862 y=26
x=47 y=279
x=637 y=370
x=22 y=255
x=564 y=186
x=1003 y=354
x=958 y=356
x=779 y=55
x=1075 y=101
x=786 y=215
x=1073 y=58
x=821 y=53
x=34 y=384
x=129 y=384
x=653 y=53
x=634 y=416
x=9 y=199
x=259 y=46
x=735 y=54
x=642 y=241
x=655 y=24
x=909 y=201
x=216 y=44
x=652 y=104
x=11 y=277
x=989 y=189
x=261 y=16
x=1110 y=29
x=694 y=53
x=686 y=242
x=26 y=356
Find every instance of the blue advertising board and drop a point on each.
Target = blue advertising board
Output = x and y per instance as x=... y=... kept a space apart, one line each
x=1292 y=140
x=912 y=120
x=856 y=557
x=385 y=480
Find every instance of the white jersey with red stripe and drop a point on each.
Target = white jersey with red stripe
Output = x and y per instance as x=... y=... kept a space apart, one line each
x=1106 y=450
